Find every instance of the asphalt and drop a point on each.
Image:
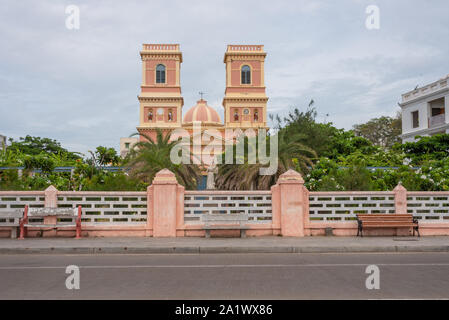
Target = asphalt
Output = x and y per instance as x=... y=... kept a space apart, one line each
x=226 y=276
x=223 y=245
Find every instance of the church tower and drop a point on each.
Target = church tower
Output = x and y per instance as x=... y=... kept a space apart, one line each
x=245 y=101
x=160 y=96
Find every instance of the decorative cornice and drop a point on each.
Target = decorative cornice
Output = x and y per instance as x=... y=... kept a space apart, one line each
x=244 y=56
x=425 y=131
x=159 y=56
x=160 y=99
x=245 y=99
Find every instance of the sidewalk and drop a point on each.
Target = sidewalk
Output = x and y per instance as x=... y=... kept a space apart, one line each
x=223 y=245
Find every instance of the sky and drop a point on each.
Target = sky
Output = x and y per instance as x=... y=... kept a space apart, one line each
x=80 y=86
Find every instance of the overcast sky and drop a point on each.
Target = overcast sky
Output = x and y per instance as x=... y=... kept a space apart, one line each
x=80 y=86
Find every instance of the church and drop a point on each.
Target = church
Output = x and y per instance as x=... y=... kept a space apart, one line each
x=161 y=102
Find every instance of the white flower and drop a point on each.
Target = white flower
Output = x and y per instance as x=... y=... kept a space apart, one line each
x=406 y=161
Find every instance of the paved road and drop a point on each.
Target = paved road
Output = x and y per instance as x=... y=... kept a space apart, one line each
x=225 y=276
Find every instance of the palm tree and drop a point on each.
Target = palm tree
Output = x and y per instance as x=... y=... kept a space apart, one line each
x=150 y=156
x=291 y=155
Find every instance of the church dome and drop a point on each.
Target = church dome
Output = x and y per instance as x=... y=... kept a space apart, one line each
x=202 y=112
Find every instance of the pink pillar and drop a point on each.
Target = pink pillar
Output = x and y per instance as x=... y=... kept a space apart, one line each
x=293 y=209
x=51 y=201
x=149 y=211
x=164 y=204
x=276 y=209
x=306 y=192
x=400 y=199
x=180 y=211
x=51 y=197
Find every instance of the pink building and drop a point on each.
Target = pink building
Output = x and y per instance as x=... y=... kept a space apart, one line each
x=161 y=101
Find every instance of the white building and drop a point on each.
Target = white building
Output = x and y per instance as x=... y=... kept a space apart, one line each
x=126 y=144
x=2 y=142
x=425 y=110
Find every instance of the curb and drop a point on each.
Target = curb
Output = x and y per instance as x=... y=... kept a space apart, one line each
x=222 y=250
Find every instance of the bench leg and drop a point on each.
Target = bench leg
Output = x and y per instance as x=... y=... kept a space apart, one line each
x=22 y=233
x=13 y=232
x=207 y=233
x=78 y=232
x=242 y=233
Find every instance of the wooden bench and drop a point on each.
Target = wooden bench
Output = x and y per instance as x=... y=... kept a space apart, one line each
x=11 y=219
x=225 y=222
x=370 y=221
x=58 y=213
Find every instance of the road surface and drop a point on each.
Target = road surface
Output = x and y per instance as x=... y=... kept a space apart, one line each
x=225 y=276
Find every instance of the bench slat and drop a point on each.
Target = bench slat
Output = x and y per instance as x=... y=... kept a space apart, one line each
x=361 y=215
x=386 y=225
x=387 y=217
x=225 y=217
x=49 y=225
x=45 y=212
x=387 y=220
x=11 y=214
x=228 y=227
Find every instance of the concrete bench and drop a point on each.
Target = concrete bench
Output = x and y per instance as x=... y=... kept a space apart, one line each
x=370 y=221
x=11 y=219
x=225 y=222
x=57 y=213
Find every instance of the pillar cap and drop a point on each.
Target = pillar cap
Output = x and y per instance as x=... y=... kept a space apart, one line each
x=165 y=176
x=291 y=176
x=51 y=188
x=399 y=187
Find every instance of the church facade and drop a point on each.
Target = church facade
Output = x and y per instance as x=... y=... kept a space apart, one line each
x=161 y=102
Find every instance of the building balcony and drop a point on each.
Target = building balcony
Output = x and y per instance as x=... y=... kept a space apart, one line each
x=245 y=48
x=437 y=120
x=160 y=47
x=437 y=86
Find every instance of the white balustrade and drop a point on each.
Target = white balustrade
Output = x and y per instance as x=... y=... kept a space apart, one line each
x=257 y=205
x=344 y=206
x=107 y=208
x=429 y=206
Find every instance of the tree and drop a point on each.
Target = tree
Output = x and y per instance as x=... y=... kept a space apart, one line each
x=37 y=145
x=150 y=156
x=427 y=148
x=308 y=132
x=383 y=131
x=291 y=155
x=343 y=143
x=104 y=156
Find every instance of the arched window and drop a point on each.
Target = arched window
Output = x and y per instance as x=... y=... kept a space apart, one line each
x=246 y=75
x=256 y=116
x=236 y=115
x=160 y=73
x=150 y=115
